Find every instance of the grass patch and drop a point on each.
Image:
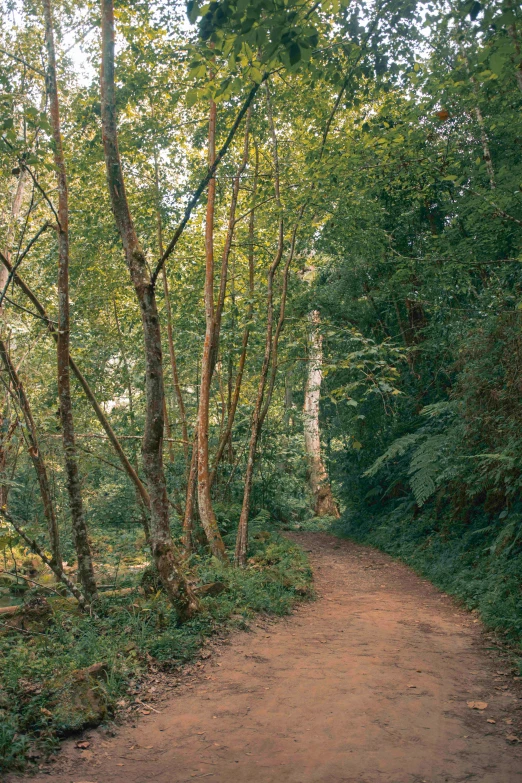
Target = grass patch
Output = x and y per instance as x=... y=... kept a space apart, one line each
x=46 y=688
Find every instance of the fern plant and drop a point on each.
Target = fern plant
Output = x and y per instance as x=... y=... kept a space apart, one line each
x=431 y=452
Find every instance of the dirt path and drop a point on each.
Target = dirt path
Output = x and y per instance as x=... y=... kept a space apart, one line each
x=369 y=684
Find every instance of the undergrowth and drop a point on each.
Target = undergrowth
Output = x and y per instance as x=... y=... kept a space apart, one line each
x=41 y=698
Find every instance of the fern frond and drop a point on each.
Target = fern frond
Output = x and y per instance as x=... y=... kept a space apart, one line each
x=396 y=449
x=425 y=465
x=439 y=408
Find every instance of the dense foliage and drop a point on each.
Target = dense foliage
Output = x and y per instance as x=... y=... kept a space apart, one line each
x=424 y=280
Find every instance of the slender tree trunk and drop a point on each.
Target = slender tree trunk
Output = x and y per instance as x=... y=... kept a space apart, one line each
x=4 y=276
x=264 y=395
x=35 y=454
x=482 y=127
x=485 y=142
x=15 y=211
x=206 y=511
x=100 y=415
x=228 y=240
x=143 y=504
x=324 y=503
x=81 y=539
x=188 y=519
x=289 y=397
x=280 y=322
x=242 y=532
x=166 y=557
x=234 y=397
x=170 y=335
x=128 y=381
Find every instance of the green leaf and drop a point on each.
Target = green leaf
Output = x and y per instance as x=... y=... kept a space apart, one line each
x=496 y=63
x=294 y=53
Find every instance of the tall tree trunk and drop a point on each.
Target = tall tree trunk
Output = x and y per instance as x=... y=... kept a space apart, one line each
x=324 y=503
x=16 y=205
x=166 y=557
x=206 y=511
x=188 y=520
x=143 y=504
x=170 y=335
x=280 y=321
x=35 y=454
x=81 y=539
x=242 y=531
x=128 y=381
x=264 y=394
x=234 y=394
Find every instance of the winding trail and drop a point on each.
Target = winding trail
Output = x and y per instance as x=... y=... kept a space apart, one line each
x=368 y=684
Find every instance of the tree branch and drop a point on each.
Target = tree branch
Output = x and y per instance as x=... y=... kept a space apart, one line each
x=206 y=179
x=20 y=259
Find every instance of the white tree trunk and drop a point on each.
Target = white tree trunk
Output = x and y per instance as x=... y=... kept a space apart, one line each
x=324 y=502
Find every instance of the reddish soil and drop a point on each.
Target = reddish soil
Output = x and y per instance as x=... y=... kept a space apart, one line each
x=368 y=684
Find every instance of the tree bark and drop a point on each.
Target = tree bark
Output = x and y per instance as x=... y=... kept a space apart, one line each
x=81 y=539
x=206 y=511
x=166 y=557
x=324 y=503
x=35 y=454
x=188 y=519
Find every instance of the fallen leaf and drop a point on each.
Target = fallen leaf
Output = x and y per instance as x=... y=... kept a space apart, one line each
x=490 y=720
x=83 y=745
x=148 y=747
x=120 y=765
x=512 y=738
x=411 y=686
x=509 y=721
x=145 y=712
x=477 y=705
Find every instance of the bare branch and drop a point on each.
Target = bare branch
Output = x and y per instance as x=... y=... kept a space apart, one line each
x=21 y=258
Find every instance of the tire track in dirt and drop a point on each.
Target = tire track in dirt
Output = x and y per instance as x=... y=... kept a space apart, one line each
x=368 y=684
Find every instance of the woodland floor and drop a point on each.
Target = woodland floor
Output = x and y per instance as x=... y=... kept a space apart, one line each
x=370 y=683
